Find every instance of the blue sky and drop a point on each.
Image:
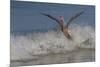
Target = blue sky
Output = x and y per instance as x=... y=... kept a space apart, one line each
x=25 y=16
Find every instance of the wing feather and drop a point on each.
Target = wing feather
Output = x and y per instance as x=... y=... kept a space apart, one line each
x=74 y=17
x=53 y=18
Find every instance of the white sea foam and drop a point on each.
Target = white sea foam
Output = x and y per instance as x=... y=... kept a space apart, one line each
x=24 y=46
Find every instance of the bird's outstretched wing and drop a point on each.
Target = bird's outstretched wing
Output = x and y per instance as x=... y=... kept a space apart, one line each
x=74 y=17
x=53 y=18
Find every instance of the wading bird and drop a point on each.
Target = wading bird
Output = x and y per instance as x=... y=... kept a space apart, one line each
x=60 y=21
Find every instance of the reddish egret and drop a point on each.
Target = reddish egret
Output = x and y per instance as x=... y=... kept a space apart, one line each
x=60 y=21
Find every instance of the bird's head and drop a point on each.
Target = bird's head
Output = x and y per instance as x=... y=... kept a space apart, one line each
x=61 y=19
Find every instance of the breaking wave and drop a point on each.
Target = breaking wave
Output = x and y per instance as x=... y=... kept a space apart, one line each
x=38 y=43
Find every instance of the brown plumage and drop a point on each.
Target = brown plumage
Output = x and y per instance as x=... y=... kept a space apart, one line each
x=60 y=21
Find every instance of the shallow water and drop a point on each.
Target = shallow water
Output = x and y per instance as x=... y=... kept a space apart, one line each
x=79 y=55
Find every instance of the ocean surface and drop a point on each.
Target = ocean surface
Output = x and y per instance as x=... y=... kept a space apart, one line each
x=31 y=48
x=36 y=39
